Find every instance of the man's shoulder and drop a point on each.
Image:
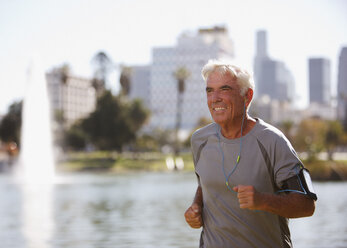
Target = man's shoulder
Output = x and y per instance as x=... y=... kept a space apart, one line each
x=270 y=136
x=204 y=132
x=264 y=129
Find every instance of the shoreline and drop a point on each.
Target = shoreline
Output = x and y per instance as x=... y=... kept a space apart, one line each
x=112 y=162
x=320 y=170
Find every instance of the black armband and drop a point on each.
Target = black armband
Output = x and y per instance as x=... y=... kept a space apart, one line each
x=300 y=183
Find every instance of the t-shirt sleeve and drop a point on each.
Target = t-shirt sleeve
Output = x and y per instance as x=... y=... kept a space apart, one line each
x=287 y=164
x=194 y=149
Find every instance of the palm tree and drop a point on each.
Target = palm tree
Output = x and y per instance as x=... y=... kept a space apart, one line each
x=125 y=80
x=102 y=67
x=61 y=73
x=181 y=75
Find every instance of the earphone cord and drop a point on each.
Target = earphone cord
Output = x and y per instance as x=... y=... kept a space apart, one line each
x=238 y=156
x=238 y=160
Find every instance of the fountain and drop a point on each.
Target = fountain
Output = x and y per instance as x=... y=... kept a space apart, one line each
x=36 y=157
x=36 y=166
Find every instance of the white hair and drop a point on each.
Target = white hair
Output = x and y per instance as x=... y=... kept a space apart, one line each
x=243 y=78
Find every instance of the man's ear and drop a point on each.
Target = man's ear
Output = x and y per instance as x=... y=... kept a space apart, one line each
x=248 y=96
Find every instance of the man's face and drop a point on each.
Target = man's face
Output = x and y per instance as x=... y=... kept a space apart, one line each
x=223 y=98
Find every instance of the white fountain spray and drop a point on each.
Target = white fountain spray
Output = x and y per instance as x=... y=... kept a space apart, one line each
x=36 y=156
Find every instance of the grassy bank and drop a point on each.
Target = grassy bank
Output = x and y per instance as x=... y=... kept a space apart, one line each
x=327 y=170
x=115 y=162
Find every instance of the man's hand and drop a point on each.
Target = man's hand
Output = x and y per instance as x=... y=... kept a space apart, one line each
x=193 y=216
x=248 y=197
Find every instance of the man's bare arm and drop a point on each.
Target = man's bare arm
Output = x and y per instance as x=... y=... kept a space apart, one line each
x=292 y=205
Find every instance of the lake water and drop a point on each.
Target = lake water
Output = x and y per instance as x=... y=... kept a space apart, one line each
x=135 y=210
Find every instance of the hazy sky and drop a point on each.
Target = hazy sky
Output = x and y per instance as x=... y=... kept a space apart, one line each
x=73 y=31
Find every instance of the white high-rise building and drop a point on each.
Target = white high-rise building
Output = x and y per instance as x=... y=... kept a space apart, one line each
x=192 y=51
x=74 y=97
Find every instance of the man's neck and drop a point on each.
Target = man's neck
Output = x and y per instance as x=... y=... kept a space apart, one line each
x=233 y=130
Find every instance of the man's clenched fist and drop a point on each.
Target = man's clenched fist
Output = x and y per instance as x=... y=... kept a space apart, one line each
x=193 y=216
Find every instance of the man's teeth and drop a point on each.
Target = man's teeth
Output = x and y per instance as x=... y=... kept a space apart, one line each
x=219 y=108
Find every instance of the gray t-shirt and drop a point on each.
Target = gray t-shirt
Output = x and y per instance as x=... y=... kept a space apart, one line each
x=266 y=160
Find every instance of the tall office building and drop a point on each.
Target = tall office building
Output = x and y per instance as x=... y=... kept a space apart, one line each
x=192 y=51
x=261 y=46
x=261 y=56
x=342 y=86
x=319 y=80
x=275 y=81
x=272 y=77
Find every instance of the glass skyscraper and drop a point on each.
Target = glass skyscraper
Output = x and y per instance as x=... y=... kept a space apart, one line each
x=319 y=80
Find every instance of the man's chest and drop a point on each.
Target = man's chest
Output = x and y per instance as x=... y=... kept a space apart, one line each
x=218 y=165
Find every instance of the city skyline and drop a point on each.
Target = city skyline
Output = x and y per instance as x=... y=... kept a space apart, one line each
x=127 y=31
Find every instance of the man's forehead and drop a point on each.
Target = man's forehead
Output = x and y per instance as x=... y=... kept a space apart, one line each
x=219 y=81
x=219 y=76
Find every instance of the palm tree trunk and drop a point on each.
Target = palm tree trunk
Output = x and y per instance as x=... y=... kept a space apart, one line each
x=178 y=124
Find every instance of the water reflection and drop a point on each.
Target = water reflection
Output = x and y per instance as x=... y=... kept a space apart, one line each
x=10 y=214
x=139 y=210
x=136 y=210
x=37 y=226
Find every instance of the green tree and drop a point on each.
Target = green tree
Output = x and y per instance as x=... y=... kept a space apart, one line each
x=155 y=140
x=334 y=137
x=137 y=114
x=316 y=135
x=146 y=142
x=10 y=125
x=310 y=137
x=114 y=123
x=287 y=128
x=75 y=138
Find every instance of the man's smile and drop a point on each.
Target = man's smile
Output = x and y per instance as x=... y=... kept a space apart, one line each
x=219 y=108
